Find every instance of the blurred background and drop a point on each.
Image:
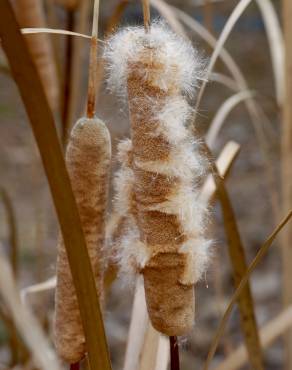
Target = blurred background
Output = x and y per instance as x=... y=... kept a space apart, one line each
x=26 y=203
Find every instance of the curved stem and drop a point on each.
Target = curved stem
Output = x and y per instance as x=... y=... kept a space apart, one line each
x=92 y=78
x=174 y=353
x=146 y=14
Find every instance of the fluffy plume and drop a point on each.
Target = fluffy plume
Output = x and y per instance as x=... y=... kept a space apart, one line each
x=158 y=183
x=126 y=46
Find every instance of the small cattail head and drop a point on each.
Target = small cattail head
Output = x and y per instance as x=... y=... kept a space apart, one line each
x=88 y=157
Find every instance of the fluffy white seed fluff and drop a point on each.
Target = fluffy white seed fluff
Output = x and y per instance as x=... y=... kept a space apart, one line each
x=126 y=46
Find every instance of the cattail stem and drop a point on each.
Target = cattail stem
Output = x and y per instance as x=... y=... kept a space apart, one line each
x=174 y=353
x=67 y=79
x=92 y=78
x=75 y=366
x=146 y=14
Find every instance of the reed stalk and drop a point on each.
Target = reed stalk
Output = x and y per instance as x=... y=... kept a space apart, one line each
x=241 y=286
x=287 y=172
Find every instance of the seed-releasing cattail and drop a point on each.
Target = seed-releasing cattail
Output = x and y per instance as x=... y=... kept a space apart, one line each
x=30 y=14
x=88 y=160
x=157 y=70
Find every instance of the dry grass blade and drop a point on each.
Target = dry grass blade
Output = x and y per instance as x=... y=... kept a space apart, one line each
x=115 y=16
x=169 y=15
x=239 y=266
x=26 y=324
x=149 y=350
x=28 y=31
x=19 y=352
x=286 y=172
x=224 y=163
x=224 y=80
x=237 y=12
x=30 y=13
x=162 y=357
x=12 y=227
x=66 y=80
x=77 y=62
x=139 y=322
x=14 y=257
x=268 y=334
x=38 y=288
x=227 y=106
x=258 y=258
x=276 y=43
x=42 y=121
x=155 y=351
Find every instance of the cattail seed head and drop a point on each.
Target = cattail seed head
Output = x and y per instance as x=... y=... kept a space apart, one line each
x=165 y=238
x=88 y=159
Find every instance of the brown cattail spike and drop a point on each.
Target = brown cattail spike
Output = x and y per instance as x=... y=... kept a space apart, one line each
x=88 y=160
x=165 y=239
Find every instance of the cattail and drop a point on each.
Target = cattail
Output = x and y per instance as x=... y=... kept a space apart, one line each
x=30 y=14
x=157 y=70
x=88 y=159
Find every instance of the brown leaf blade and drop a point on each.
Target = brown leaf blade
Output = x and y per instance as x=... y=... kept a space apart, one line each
x=239 y=266
x=261 y=253
x=42 y=123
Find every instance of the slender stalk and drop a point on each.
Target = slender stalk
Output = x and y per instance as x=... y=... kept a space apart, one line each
x=92 y=78
x=287 y=173
x=146 y=14
x=13 y=233
x=67 y=79
x=174 y=353
x=208 y=15
x=258 y=258
x=239 y=265
x=269 y=333
x=14 y=256
x=115 y=17
x=75 y=366
x=110 y=27
x=81 y=27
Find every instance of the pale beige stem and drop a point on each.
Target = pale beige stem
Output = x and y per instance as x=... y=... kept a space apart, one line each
x=268 y=334
x=287 y=172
